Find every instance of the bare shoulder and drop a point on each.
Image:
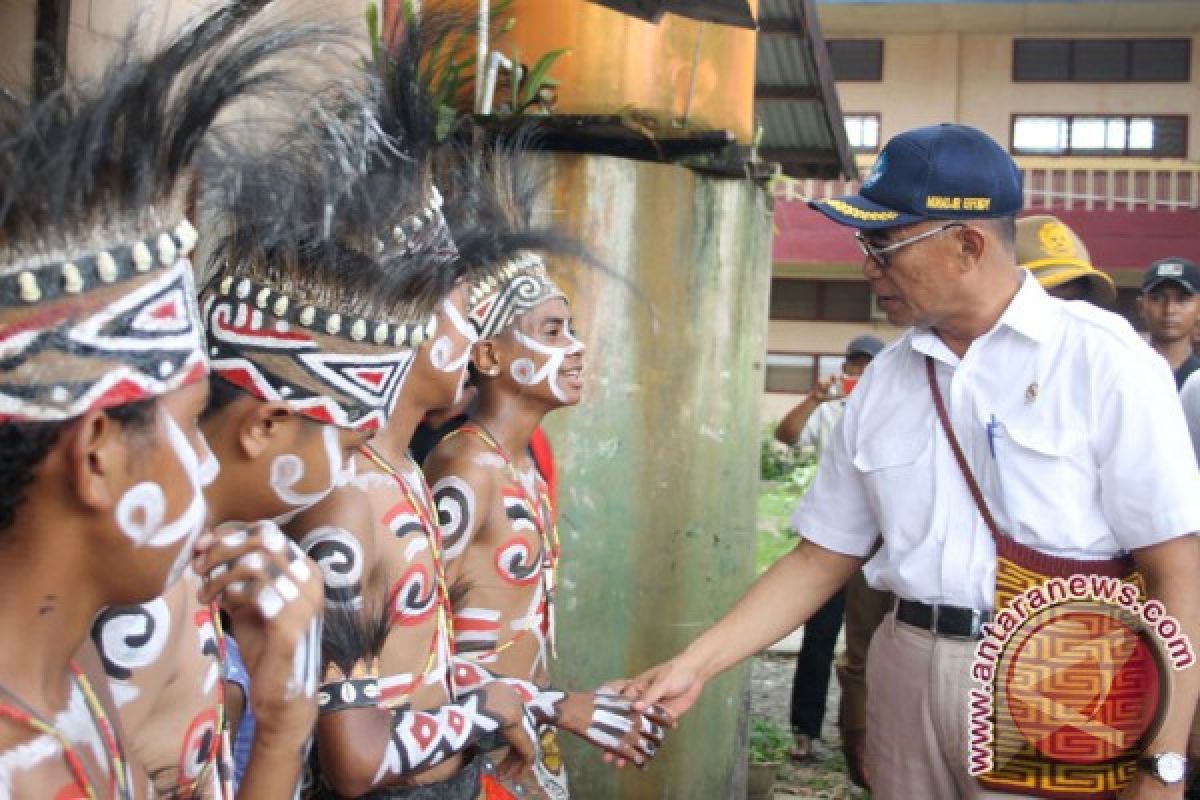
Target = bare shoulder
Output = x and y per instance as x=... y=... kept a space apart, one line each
x=347 y=508
x=467 y=457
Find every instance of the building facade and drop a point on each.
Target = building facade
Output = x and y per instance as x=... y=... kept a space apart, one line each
x=1099 y=102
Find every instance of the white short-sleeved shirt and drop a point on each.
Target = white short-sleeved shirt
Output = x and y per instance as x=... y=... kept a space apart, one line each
x=1190 y=395
x=818 y=431
x=1087 y=456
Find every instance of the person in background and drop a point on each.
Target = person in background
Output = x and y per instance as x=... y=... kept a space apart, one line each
x=809 y=426
x=1169 y=306
x=1059 y=260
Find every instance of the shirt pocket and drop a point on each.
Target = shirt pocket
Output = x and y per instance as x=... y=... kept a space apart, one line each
x=896 y=472
x=1046 y=477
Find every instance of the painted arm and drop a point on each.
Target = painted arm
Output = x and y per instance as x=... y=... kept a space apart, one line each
x=274 y=595
x=603 y=718
x=363 y=747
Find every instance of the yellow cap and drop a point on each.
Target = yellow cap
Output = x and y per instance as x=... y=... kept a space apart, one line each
x=1056 y=255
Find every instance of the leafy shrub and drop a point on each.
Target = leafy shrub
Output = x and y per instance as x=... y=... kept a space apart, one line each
x=770 y=742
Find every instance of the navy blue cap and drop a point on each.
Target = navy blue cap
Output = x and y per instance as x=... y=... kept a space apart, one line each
x=940 y=172
x=1172 y=270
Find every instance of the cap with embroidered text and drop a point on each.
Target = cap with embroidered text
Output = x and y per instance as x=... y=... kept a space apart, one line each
x=1174 y=270
x=940 y=172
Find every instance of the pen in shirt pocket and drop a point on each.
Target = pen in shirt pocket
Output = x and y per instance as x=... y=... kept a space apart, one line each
x=992 y=427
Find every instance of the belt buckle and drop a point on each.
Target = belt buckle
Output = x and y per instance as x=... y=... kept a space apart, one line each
x=972 y=632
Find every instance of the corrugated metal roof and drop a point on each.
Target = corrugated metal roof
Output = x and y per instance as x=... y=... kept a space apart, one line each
x=794 y=126
x=783 y=61
x=796 y=100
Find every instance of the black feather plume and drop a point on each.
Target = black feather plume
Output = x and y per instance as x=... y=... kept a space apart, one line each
x=93 y=165
x=354 y=636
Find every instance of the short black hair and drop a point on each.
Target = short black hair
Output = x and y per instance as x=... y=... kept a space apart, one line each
x=25 y=445
x=221 y=394
x=1006 y=229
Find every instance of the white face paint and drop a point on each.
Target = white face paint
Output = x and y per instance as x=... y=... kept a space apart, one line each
x=441 y=352
x=141 y=509
x=525 y=372
x=288 y=470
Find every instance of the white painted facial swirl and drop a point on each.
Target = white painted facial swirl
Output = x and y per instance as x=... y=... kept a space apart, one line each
x=525 y=372
x=288 y=470
x=441 y=352
x=140 y=511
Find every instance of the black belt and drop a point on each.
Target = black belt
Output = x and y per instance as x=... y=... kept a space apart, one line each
x=953 y=621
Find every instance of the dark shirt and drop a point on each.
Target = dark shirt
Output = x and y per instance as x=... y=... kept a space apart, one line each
x=1185 y=369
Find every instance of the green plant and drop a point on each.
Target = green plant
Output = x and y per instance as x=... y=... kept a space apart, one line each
x=451 y=70
x=770 y=742
x=781 y=462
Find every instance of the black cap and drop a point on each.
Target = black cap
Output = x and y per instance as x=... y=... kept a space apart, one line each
x=940 y=172
x=1178 y=270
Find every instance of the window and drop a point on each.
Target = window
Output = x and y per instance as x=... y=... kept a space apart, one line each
x=1102 y=60
x=856 y=59
x=795 y=373
x=830 y=301
x=862 y=131
x=1093 y=135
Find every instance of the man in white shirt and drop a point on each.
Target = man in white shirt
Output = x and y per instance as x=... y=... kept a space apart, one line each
x=1069 y=427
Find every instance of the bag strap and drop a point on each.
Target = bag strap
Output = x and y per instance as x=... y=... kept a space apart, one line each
x=965 y=468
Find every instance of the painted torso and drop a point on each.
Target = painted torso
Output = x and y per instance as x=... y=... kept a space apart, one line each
x=164 y=668
x=499 y=531
x=406 y=572
x=33 y=764
x=373 y=547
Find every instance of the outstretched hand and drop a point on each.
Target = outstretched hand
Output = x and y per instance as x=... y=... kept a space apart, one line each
x=674 y=685
x=610 y=722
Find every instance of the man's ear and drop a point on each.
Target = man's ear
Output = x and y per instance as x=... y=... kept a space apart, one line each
x=485 y=358
x=973 y=243
x=1140 y=302
x=98 y=457
x=260 y=426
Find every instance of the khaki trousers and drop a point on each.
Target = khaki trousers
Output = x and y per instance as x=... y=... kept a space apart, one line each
x=918 y=716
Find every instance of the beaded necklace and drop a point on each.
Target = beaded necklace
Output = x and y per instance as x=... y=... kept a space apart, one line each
x=444 y=631
x=544 y=521
x=23 y=714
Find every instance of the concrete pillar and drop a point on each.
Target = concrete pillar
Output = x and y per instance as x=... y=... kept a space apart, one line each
x=659 y=464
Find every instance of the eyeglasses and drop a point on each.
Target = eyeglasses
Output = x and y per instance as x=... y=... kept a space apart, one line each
x=880 y=254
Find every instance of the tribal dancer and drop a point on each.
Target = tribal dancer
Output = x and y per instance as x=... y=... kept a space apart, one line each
x=102 y=380
x=498 y=517
x=384 y=530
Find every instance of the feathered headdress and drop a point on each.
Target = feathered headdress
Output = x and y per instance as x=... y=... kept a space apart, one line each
x=300 y=307
x=97 y=304
x=498 y=187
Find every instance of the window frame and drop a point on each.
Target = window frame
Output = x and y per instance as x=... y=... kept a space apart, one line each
x=1070 y=117
x=814 y=355
x=877 y=42
x=878 y=117
x=819 y=301
x=1128 y=43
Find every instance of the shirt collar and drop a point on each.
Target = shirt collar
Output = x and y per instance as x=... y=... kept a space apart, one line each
x=1030 y=313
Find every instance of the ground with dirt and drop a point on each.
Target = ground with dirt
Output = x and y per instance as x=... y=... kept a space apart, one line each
x=824 y=775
